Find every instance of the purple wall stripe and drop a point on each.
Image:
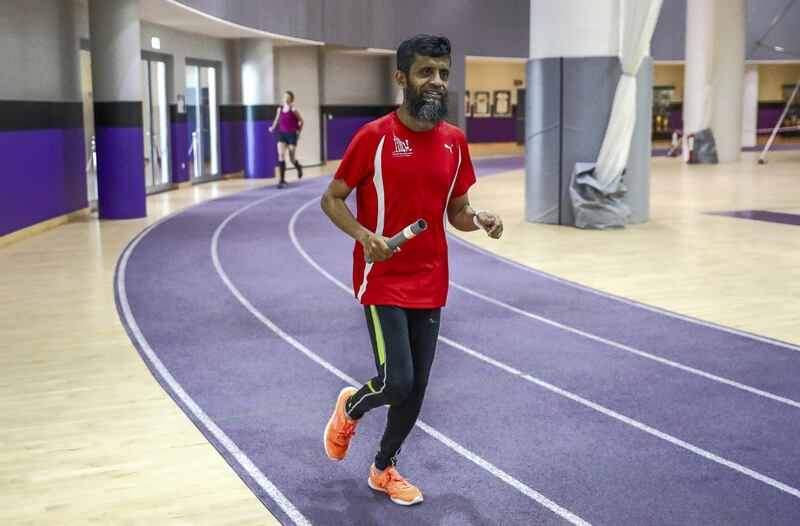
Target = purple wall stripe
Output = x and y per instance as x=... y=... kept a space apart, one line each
x=762 y=215
x=676 y=119
x=120 y=173
x=41 y=176
x=340 y=131
x=231 y=138
x=768 y=116
x=491 y=129
x=787 y=147
x=661 y=152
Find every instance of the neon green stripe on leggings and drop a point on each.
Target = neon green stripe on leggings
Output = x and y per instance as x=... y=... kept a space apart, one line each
x=378 y=335
x=369 y=384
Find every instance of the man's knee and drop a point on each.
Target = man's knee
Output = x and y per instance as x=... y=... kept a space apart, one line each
x=398 y=388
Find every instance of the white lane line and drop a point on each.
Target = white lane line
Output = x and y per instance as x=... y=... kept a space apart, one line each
x=631 y=422
x=469 y=455
x=606 y=295
x=597 y=407
x=626 y=348
x=258 y=476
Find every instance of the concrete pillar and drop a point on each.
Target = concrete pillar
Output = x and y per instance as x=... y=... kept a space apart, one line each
x=699 y=66
x=259 y=98
x=117 y=90
x=232 y=72
x=714 y=73
x=750 y=105
x=231 y=112
x=729 y=51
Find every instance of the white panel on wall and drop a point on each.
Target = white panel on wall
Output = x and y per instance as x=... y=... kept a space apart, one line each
x=298 y=71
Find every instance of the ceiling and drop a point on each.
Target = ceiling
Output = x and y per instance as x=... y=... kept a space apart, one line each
x=177 y=16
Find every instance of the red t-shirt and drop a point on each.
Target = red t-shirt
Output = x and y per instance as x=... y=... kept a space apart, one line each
x=401 y=176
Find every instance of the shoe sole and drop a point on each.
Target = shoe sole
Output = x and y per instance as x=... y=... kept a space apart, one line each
x=396 y=501
x=330 y=422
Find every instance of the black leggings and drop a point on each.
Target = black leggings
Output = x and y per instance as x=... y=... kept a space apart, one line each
x=404 y=344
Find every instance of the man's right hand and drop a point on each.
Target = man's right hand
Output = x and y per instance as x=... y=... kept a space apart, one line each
x=375 y=247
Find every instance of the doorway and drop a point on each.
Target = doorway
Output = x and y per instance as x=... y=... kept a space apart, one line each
x=202 y=119
x=88 y=128
x=155 y=126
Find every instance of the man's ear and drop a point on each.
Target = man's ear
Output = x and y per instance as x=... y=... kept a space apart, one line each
x=400 y=79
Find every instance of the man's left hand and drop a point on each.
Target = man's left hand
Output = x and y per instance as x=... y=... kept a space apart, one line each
x=492 y=223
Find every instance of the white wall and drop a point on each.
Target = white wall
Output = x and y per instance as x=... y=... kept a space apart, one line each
x=297 y=70
x=772 y=78
x=355 y=79
x=394 y=93
x=574 y=28
x=186 y=45
x=494 y=75
x=669 y=75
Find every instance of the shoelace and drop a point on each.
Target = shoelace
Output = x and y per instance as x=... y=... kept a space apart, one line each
x=394 y=478
x=348 y=430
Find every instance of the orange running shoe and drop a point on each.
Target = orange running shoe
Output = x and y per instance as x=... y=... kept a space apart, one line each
x=340 y=428
x=399 y=489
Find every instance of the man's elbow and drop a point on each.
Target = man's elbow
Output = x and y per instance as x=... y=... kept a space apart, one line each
x=326 y=203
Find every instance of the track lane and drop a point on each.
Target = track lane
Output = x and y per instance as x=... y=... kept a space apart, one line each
x=273 y=401
x=345 y=269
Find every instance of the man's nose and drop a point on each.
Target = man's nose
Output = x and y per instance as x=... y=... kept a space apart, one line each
x=438 y=80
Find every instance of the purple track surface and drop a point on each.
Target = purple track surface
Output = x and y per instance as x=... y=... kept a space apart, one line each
x=549 y=403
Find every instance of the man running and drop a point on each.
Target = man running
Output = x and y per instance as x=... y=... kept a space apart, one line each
x=405 y=166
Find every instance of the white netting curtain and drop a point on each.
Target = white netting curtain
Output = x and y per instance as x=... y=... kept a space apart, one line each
x=637 y=23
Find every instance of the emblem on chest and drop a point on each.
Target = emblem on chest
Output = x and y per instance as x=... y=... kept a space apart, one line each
x=402 y=148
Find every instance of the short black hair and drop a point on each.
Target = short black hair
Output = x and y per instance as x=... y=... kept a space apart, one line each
x=290 y=94
x=427 y=45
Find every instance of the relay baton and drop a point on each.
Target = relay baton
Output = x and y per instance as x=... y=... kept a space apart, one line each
x=407 y=233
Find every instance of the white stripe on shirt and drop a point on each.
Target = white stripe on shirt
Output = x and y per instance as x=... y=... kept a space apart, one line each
x=377 y=180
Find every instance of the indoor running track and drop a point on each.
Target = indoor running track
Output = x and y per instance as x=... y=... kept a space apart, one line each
x=549 y=403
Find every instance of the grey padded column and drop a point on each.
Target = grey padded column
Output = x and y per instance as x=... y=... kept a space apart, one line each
x=568 y=103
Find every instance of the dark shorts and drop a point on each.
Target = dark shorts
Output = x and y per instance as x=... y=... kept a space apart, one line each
x=288 y=137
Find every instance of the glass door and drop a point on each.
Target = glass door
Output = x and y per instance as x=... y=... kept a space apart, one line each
x=203 y=121
x=155 y=125
x=88 y=129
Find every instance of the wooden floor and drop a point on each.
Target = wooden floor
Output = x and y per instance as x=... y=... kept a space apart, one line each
x=87 y=435
x=735 y=272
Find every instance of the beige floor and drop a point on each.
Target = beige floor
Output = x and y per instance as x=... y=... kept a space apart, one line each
x=735 y=272
x=88 y=436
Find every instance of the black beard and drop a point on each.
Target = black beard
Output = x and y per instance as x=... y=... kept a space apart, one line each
x=424 y=110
